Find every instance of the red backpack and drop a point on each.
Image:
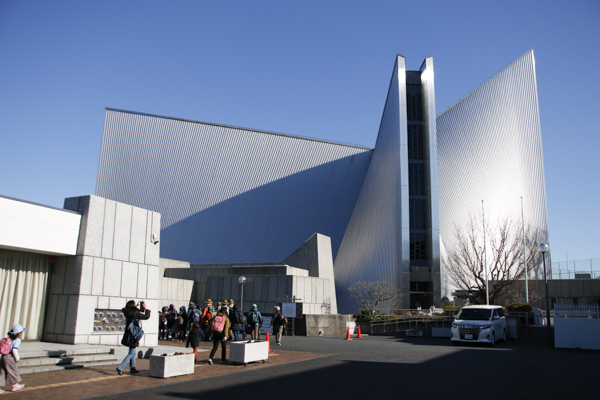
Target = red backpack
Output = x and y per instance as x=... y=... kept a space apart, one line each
x=218 y=323
x=5 y=345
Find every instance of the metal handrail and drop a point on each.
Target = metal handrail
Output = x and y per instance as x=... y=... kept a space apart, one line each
x=425 y=318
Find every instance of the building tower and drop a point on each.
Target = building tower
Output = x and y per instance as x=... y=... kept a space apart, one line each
x=393 y=233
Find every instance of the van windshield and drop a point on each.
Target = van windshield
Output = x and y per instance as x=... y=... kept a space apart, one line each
x=474 y=314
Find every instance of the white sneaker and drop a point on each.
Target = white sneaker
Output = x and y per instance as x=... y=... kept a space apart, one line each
x=17 y=387
x=210 y=362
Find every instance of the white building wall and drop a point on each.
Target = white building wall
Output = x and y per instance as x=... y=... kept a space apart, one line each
x=37 y=229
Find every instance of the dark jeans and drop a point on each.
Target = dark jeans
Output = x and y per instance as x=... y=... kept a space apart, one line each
x=218 y=337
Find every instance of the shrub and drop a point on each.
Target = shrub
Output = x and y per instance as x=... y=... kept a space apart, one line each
x=519 y=307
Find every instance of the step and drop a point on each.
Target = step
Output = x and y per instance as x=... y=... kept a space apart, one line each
x=87 y=358
x=59 y=353
x=46 y=368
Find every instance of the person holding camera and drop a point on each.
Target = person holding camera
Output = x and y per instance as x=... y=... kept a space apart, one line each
x=132 y=315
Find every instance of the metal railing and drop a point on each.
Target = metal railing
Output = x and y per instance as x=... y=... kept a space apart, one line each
x=576 y=269
x=408 y=321
x=577 y=310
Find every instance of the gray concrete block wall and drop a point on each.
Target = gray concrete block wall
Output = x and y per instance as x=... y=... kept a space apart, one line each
x=115 y=262
x=175 y=291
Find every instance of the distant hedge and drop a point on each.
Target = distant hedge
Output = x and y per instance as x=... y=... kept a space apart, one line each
x=518 y=307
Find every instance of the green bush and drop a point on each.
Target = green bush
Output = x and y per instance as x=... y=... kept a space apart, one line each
x=518 y=307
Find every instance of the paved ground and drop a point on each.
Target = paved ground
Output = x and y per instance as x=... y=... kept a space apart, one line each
x=325 y=367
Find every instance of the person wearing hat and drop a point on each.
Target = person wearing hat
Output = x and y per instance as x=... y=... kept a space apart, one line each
x=219 y=329
x=172 y=321
x=8 y=362
x=207 y=314
x=192 y=311
x=278 y=323
x=254 y=320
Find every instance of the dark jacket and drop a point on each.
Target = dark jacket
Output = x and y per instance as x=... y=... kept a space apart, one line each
x=132 y=314
x=277 y=320
x=236 y=323
x=194 y=337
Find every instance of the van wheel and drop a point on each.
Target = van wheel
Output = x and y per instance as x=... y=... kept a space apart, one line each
x=493 y=339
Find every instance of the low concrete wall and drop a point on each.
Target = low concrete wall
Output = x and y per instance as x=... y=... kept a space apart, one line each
x=326 y=325
x=577 y=333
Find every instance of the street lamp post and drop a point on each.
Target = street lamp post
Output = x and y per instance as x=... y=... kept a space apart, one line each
x=543 y=247
x=242 y=280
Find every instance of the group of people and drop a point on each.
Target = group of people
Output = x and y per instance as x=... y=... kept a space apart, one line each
x=221 y=323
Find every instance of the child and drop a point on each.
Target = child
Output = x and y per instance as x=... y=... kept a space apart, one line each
x=162 y=324
x=8 y=362
x=194 y=338
x=180 y=329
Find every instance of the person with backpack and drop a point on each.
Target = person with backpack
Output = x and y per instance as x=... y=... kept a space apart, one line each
x=171 y=320
x=254 y=320
x=278 y=322
x=219 y=327
x=237 y=319
x=183 y=314
x=9 y=351
x=194 y=339
x=193 y=315
x=207 y=314
x=133 y=333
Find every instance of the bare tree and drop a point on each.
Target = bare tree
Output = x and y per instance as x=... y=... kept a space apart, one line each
x=465 y=263
x=371 y=294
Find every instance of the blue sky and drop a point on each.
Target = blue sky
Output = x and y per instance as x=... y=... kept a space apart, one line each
x=318 y=69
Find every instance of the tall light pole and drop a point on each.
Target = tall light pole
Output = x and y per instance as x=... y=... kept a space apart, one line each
x=242 y=280
x=524 y=255
x=544 y=249
x=487 y=290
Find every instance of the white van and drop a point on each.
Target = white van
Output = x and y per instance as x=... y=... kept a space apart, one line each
x=484 y=324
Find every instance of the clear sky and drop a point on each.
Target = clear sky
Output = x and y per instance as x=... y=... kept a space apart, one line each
x=318 y=69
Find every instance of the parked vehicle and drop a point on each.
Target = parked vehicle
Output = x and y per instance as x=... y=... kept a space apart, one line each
x=484 y=324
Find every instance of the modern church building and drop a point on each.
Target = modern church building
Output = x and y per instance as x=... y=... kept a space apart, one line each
x=230 y=195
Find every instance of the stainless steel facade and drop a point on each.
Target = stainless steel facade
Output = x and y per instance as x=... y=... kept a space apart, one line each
x=229 y=194
x=490 y=149
x=377 y=243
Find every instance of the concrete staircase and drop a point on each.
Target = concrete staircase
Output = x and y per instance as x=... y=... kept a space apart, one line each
x=54 y=360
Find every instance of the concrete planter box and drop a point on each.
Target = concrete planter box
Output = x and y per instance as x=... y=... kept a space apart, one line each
x=168 y=366
x=244 y=352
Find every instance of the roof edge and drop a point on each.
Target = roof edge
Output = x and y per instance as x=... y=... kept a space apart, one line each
x=241 y=128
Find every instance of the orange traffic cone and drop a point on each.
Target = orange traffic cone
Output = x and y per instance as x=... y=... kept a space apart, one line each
x=348 y=334
x=268 y=339
x=358 y=336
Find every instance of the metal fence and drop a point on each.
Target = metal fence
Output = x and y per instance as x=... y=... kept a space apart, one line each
x=577 y=310
x=576 y=269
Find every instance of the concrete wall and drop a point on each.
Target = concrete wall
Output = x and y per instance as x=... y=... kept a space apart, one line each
x=173 y=290
x=306 y=276
x=268 y=291
x=315 y=256
x=115 y=262
x=327 y=325
x=37 y=229
x=577 y=333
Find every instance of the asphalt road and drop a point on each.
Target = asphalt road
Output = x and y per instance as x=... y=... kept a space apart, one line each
x=393 y=367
